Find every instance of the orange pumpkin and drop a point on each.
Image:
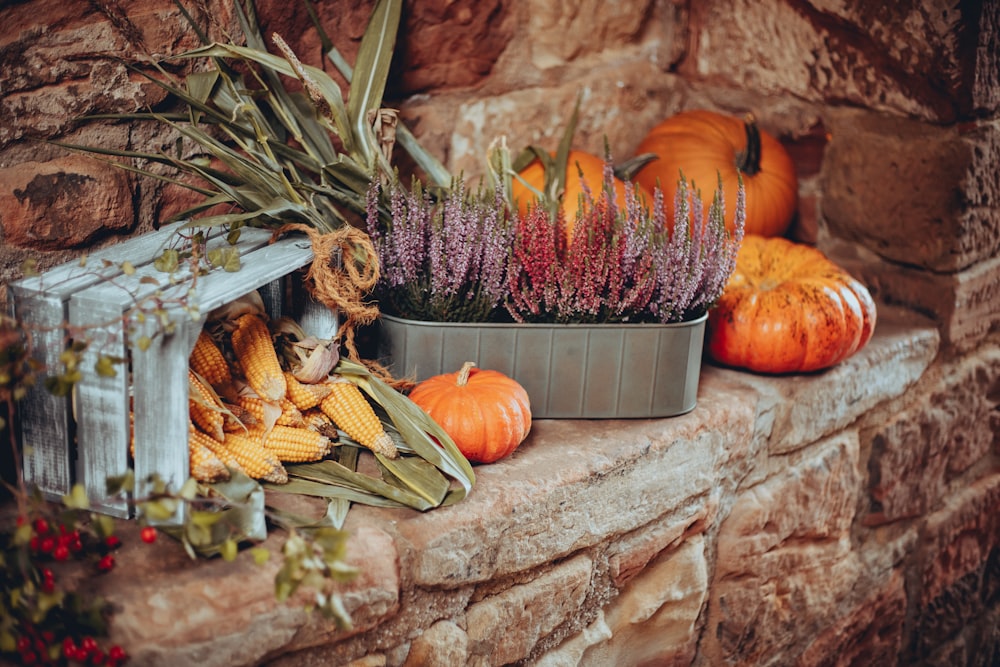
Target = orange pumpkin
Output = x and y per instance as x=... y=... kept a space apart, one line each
x=788 y=309
x=582 y=169
x=704 y=145
x=485 y=412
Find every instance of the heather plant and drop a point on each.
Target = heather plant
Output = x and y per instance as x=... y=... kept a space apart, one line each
x=624 y=265
x=442 y=259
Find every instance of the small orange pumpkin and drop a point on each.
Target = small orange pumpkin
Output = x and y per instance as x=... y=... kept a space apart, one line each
x=485 y=412
x=788 y=309
x=582 y=169
x=704 y=145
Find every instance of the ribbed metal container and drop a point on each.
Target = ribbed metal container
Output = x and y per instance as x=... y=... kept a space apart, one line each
x=570 y=371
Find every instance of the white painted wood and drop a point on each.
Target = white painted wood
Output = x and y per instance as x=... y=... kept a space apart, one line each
x=42 y=304
x=153 y=386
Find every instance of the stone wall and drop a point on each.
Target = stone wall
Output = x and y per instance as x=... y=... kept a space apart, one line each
x=848 y=517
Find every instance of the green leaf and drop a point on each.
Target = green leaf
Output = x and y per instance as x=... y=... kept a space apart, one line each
x=260 y=555
x=168 y=261
x=371 y=71
x=105 y=366
x=77 y=498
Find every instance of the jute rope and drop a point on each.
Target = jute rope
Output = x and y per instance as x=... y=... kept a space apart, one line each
x=344 y=270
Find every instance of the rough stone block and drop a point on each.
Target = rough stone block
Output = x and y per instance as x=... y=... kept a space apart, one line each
x=871 y=633
x=784 y=564
x=938 y=436
x=918 y=58
x=505 y=627
x=62 y=60
x=654 y=619
x=41 y=208
x=914 y=193
x=444 y=644
x=958 y=581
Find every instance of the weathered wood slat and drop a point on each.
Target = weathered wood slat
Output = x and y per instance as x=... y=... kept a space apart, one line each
x=42 y=303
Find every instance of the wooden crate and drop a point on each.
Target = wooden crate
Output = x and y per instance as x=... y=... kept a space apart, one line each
x=85 y=439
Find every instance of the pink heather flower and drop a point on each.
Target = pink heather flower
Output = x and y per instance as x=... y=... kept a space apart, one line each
x=442 y=259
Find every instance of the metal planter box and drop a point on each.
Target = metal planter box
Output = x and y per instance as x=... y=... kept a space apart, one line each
x=570 y=371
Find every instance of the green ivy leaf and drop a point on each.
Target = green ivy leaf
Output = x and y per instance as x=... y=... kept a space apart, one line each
x=159 y=510
x=260 y=555
x=105 y=366
x=168 y=261
x=77 y=498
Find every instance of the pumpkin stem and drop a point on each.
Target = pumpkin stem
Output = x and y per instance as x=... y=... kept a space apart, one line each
x=748 y=159
x=463 y=373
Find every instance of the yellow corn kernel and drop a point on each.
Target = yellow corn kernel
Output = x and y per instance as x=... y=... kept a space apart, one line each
x=205 y=464
x=305 y=395
x=208 y=362
x=257 y=357
x=205 y=408
x=353 y=414
x=292 y=444
x=255 y=460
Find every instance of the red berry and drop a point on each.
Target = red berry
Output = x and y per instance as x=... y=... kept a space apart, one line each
x=69 y=647
x=107 y=563
x=88 y=645
x=23 y=643
x=41 y=526
x=61 y=552
x=117 y=653
x=47 y=545
x=29 y=658
x=148 y=534
x=21 y=519
x=76 y=545
x=112 y=541
x=97 y=657
x=34 y=543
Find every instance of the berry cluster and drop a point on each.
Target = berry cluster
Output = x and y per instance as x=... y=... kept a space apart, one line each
x=39 y=647
x=46 y=625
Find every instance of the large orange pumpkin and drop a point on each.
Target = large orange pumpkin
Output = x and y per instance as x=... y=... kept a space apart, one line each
x=486 y=413
x=704 y=145
x=582 y=169
x=788 y=309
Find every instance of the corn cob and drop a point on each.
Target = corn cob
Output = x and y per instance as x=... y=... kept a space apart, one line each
x=206 y=411
x=258 y=358
x=351 y=412
x=220 y=450
x=208 y=362
x=292 y=444
x=266 y=413
x=305 y=395
x=205 y=464
x=255 y=460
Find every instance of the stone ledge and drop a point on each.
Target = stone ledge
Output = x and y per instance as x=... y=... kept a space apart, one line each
x=580 y=498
